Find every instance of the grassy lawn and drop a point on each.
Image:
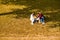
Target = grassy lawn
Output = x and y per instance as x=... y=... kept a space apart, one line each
x=14 y=19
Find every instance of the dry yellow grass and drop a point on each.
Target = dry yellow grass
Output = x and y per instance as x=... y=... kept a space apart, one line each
x=10 y=8
x=30 y=38
x=21 y=29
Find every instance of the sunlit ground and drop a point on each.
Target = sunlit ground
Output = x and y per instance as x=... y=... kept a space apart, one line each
x=14 y=27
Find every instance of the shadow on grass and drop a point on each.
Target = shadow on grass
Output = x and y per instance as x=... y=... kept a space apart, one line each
x=20 y=13
x=35 y=4
x=53 y=17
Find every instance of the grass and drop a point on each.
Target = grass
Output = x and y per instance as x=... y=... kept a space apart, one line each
x=14 y=20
